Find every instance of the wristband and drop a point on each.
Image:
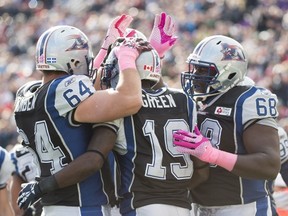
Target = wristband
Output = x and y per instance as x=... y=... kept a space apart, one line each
x=99 y=58
x=226 y=160
x=48 y=184
x=126 y=58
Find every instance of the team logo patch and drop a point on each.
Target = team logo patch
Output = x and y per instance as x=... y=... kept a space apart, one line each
x=232 y=52
x=51 y=60
x=80 y=43
x=223 y=111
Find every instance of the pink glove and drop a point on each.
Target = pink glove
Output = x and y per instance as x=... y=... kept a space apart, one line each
x=199 y=146
x=163 y=37
x=188 y=139
x=116 y=29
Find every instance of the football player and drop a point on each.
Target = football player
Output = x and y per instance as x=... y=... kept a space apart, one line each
x=154 y=178
x=53 y=118
x=6 y=169
x=278 y=201
x=240 y=139
x=278 y=187
x=26 y=170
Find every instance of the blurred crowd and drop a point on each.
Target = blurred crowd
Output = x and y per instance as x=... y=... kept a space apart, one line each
x=260 y=25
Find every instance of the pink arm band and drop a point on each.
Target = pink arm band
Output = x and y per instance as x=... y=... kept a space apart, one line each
x=99 y=58
x=225 y=159
x=126 y=59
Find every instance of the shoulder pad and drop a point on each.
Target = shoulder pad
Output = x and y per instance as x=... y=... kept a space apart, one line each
x=29 y=88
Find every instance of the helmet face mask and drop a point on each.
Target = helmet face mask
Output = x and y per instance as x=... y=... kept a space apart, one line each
x=64 y=48
x=201 y=78
x=216 y=65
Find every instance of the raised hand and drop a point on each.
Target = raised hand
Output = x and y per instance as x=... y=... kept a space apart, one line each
x=116 y=29
x=28 y=195
x=163 y=36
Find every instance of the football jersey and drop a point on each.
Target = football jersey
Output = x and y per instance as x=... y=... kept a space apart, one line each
x=152 y=171
x=283 y=144
x=223 y=121
x=6 y=167
x=283 y=154
x=25 y=164
x=43 y=115
x=283 y=141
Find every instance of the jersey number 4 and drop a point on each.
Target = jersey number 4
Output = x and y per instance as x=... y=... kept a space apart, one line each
x=46 y=150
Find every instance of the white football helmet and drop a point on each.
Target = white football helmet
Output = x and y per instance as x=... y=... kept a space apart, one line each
x=216 y=65
x=64 y=48
x=147 y=63
x=130 y=32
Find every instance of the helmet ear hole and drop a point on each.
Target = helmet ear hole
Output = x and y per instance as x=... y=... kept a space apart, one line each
x=231 y=76
x=70 y=70
x=75 y=62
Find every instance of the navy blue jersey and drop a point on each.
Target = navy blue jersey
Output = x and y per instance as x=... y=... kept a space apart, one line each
x=151 y=169
x=283 y=141
x=283 y=145
x=223 y=121
x=44 y=120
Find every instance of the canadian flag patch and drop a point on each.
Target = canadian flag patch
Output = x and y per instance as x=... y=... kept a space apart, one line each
x=148 y=67
x=223 y=111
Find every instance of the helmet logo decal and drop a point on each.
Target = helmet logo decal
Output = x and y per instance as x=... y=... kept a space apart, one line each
x=79 y=44
x=232 y=52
